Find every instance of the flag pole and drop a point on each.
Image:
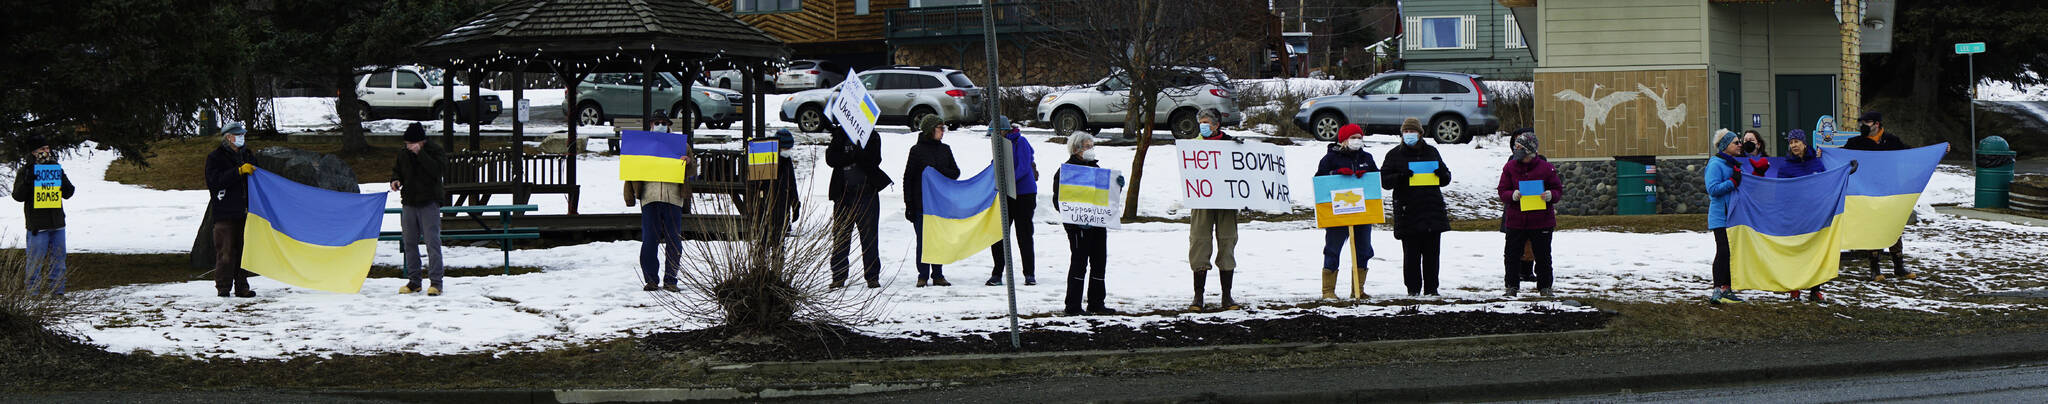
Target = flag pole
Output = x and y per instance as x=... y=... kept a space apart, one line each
x=1005 y=178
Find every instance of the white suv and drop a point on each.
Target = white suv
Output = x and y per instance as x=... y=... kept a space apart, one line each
x=905 y=93
x=1103 y=104
x=411 y=92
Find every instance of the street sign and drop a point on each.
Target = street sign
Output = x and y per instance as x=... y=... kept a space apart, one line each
x=1969 y=48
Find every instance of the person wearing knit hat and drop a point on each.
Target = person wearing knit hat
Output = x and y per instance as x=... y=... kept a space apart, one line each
x=416 y=176
x=929 y=152
x=45 y=224
x=1722 y=177
x=1024 y=169
x=1420 y=216
x=1528 y=231
x=1347 y=157
x=1802 y=160
x=227 y=171
x=1087 y=246
x=1212 y=232
x=782 y=197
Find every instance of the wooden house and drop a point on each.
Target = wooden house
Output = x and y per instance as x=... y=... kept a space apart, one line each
x=1465 y=36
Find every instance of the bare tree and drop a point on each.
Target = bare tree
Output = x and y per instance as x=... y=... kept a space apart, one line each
x=1153 y=42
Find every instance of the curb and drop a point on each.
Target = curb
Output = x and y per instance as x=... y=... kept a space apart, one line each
x=851 y=365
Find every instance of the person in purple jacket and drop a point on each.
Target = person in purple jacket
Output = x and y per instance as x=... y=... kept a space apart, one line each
x=1802 y=160
x=1021 y=208
x=1532 y=227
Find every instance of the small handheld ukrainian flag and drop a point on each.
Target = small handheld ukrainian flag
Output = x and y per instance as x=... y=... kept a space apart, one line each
x=1882 y=193
x=653 y=156
x=762 y=157
x=310 y=237
x=1089 y=196
x=960 y=217
x=1784 y=233
x=1343 y=200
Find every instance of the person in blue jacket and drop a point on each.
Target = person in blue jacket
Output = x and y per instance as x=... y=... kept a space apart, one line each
x=1021 y=207
x=1722 y=177
x=1803 y=160
x=1347 y=157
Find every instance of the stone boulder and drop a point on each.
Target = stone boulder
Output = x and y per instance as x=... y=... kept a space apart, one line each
x=307 y=167
x=558 y=144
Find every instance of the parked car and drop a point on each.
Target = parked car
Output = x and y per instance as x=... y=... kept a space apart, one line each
x=1452 y=104
x=905 y=93
x=1104 y=103
x=612 y=95
x=732 y=79
x=809 y=74
x=414 y=92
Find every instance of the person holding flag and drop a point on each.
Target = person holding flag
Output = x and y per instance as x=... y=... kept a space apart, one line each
x=1416 y=173
x=1876 y=138
x=855 y=188
x=929 y=152
x=1347 y=157
x=1723 y=176
x=1529 y=220
x=1088 y=246
x=662 y=203
x=45 y=223
x=227 y=185
x=1802 y=161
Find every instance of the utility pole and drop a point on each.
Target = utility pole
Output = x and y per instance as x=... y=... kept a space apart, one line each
x=1005 y=178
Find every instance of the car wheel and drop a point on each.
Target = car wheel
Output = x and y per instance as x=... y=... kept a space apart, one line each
x=589 y=115
x=684 y=116
x=1449 y=129
x=810 y=118
x=1183 y=125
x=363 y=112
x=1324 y=125
x=917 y=115
x=1066 y=121
x=444 y=113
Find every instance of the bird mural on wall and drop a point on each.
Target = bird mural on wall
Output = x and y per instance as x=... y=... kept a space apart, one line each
x=1672 y=116
x=1596 y=109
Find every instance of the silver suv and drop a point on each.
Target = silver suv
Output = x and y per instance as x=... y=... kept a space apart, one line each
x=1453 y=105
x=905 y=93
x=611 y=95
x=1102 y=104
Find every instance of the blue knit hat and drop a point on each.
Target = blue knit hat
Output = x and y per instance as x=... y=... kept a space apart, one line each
x=1722 y=138
x=1796 y=134
x=786 y=139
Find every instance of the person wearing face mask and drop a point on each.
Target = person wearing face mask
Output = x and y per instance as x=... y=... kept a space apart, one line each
x=1213 y=231
x=1419 y=214
x=45 y=258
x=1754 y=157
x=227 y=169
x=1803 y=161
x=1530 y=228
x=1347 y=157
x=1721 y=179
x=929 y=152
x=1875 y=137
x=1088 y=245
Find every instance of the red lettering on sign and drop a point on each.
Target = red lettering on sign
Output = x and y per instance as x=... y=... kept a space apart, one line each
x=1200 y=188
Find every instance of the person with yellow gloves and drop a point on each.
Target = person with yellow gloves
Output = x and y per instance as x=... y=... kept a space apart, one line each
x=227 y=187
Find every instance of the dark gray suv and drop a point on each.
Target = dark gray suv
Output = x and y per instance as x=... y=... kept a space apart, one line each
x=1453 y=106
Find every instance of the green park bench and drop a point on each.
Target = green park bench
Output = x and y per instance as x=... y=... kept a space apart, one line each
x=504 y=234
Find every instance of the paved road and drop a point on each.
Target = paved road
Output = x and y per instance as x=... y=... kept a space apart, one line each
x=2012 y=384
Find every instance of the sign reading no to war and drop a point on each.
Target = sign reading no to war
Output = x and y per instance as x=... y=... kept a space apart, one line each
x=1221 y=174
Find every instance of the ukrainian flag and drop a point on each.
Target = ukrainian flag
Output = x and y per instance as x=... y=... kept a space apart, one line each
x=1084 y=184
x=653 y=156
x=1783 y=233
x=960 y=217
x=310 y=237
x=1882 y=193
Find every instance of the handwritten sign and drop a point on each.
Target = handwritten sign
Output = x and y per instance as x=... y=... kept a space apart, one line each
x=1343 y=200
x=49 y=192
x=1424 y=174
x=1532 y=195
x=854 y=109
x=1090 y=196
x=1222 y=174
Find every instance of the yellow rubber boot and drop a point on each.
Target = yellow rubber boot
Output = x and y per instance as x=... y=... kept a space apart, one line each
x=1357 y=274
x=1329 y=284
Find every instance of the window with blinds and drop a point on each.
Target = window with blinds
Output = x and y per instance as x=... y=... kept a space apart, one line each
x=1442 y=32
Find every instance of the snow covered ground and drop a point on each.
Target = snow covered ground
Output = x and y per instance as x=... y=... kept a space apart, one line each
x=590 y=292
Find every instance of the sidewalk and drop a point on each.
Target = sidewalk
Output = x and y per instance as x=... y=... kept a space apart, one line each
x=1992 y=216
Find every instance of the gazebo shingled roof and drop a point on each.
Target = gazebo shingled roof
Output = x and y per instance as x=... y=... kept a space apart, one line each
x=599 y=31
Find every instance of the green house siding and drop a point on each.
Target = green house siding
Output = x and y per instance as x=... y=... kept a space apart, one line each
x=1617 y=34
x=1489 y=55
x=1764 y=41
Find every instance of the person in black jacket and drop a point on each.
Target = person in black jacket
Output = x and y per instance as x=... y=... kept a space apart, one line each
x=929 y=152
x=781 y=196
x=857 y=181
x=1088 y=245
x=227 y=169
x=1876 y=138
x=45 y=225
x=1419 y=214
x=416 y=176
x=1346 y=157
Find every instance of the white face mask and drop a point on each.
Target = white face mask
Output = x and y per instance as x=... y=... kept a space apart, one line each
x=1356 y=143
x=1088 y=154
x=661 y=128
x=1410 y=137
x=239 y=140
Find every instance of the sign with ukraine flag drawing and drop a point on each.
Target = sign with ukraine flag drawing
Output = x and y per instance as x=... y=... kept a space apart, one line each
x=1090 y=196
x=309 y=237
x=960 y=217
x=1343 y=200
x=762 y=158
x=1784 y=234
x=1883 y=191
x=654 y=156
x=854 y=109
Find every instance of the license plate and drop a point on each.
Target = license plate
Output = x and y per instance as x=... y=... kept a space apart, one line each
x=739 y=109
x=494 y=108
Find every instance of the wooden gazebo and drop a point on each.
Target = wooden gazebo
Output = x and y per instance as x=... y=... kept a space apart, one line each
x=573 y=39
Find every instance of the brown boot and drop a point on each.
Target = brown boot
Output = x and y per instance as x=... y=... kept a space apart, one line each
x=1330 y=284
x=1201 y=280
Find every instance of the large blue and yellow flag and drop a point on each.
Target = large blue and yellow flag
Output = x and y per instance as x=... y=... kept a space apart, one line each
x=960 y=217
x=653 y=156
x=1882 y=193
x=310 y=237
x=1783 y=232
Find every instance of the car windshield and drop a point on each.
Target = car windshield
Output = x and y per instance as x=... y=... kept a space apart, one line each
x=960 y=80
x=800 y=65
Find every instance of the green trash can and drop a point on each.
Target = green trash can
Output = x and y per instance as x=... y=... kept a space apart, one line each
x=1635 y=185
x=209 y=124
x=1994 y=172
